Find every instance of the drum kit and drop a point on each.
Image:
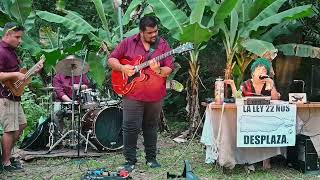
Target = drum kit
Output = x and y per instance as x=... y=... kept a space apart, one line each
x=99 y=120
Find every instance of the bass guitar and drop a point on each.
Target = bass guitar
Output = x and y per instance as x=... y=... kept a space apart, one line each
x=16 y=86
x=122 y=84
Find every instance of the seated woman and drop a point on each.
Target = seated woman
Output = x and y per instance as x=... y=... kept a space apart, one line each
x=260 y=84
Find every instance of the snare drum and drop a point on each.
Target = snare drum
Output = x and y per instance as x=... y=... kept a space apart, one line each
x=89 y=99
x=109 y=103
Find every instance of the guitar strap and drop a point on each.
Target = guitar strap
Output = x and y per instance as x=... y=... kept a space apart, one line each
x=153 y=47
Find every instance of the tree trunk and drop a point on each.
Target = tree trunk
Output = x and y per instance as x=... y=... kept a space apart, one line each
x=193 y=98
x=163 y=126
x=228 y=71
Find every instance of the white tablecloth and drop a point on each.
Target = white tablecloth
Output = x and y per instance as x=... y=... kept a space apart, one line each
x=219 y=136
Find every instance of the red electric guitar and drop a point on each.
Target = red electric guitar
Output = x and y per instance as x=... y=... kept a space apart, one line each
x=122 y=84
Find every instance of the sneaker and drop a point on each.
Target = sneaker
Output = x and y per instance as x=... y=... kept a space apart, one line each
x=153 y=164
x=10 y=168
x=128 y=166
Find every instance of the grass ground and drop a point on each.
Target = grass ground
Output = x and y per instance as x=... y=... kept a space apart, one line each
x=171 y=156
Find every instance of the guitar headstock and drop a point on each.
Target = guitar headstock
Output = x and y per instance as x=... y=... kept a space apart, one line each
x=183 y=48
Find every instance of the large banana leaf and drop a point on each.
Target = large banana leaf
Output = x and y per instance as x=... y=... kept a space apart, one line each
x=195 y=33
x=271 y=10
x=67 y=22
x=97 y=69
x=275 y=19
x=300 y=50
x=102 y=16
x=284 y=28
x=75 y=17
x=258 y=6
x=257 y=47
x=72 y=21
x=197 y=12
x=4 y=18
x=193 y=3
x=29 y=22
x=132 y=7
x=171 y=17
x=226 y=38
x=233 y=27
x=243 y=8
x=30 y=45
x=7 y=4
x=131 y=32
x=21 y=9
x=224 y=11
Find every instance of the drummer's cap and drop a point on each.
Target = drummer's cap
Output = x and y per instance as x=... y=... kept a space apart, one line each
x=12 y=26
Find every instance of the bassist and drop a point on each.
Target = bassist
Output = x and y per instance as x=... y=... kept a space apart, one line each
x=143 y=104
x=12 y=118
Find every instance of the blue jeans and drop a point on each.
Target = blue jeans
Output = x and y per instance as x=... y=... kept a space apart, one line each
x=139 y=115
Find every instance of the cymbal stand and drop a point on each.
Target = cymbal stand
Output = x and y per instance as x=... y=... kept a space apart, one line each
x=73 y=132
x=78 y=95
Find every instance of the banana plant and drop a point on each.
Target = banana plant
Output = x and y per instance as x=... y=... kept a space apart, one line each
x=243 y=33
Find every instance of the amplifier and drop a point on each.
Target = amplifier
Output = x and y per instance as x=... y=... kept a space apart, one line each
x=303 y=156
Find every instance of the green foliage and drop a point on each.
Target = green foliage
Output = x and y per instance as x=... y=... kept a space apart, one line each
x=19 y=10
x=97 y=68
x=258 y=47
x=195 y=33
x=34 y=107
x=300 y=50
x=171 y=17
x=77 y=23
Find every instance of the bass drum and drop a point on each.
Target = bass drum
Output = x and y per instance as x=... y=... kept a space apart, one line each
x=106 y=126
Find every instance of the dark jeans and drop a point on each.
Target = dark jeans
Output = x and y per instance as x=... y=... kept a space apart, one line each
x=139 y=115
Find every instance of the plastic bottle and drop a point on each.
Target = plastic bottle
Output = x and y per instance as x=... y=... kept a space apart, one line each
x=219 y=90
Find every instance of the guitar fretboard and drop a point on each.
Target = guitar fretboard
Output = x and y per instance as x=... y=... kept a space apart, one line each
x=158 y=58
x=33 y=69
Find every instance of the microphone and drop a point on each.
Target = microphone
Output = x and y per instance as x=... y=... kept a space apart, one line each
x=263 y=77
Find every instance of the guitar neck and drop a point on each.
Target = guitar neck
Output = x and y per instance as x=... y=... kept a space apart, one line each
x=32 y=70
x=158 y=58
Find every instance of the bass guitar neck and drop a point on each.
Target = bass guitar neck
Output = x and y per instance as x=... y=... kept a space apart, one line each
x=15 y=85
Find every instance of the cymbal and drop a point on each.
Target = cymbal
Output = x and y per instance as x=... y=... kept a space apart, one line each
x=66 y=66
x=49 y=88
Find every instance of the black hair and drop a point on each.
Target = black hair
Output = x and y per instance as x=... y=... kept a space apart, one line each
x=13 y=26
x=148 y=21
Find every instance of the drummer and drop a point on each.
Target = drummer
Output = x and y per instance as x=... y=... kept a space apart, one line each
x=62 y=82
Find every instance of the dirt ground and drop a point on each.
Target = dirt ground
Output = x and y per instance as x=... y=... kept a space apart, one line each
x=65 y=167
x=170 y=155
